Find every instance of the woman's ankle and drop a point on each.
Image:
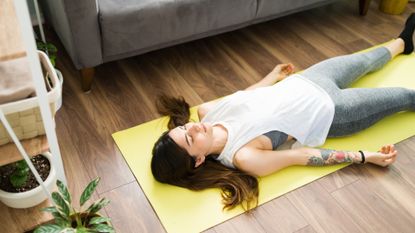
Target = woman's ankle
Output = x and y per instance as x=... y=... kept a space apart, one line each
x=400 y=46
x=396 y=47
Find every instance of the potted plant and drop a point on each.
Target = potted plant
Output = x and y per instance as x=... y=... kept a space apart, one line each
x=51 y=50
x=68 y=219
x=19 y=188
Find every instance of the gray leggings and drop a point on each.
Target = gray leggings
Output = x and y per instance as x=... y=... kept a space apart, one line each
x=358 y=108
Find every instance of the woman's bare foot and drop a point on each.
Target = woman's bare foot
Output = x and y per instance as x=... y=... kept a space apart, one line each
x=384 y=157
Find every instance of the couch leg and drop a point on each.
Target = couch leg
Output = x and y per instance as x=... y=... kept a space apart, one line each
x=363 y=6
x=87 y=76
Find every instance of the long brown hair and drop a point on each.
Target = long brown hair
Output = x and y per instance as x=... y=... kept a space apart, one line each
x=172 y=164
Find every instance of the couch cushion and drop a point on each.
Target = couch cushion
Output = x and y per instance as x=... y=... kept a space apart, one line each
x=129 y=25
x=267 y=8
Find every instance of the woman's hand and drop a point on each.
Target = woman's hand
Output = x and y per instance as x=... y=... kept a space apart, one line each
x=283 y=70
x=385 y=156
x=279 y=73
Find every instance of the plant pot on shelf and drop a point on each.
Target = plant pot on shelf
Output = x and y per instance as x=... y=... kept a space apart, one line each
x=393 y=7
x=32 y=197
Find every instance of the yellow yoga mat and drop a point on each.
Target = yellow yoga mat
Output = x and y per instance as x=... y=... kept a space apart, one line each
x=182 y=210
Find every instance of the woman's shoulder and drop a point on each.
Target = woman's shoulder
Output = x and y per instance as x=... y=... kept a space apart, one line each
x=204 y=108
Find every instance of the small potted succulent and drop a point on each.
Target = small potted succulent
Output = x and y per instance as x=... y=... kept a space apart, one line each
x=68 y=219
x=18 y=186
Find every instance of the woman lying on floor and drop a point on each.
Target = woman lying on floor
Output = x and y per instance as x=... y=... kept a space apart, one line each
x=238 y=135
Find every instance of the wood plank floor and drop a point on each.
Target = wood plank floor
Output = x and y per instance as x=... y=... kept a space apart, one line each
x=354 y=199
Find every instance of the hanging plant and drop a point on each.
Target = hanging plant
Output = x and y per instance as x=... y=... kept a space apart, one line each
x=49 y=49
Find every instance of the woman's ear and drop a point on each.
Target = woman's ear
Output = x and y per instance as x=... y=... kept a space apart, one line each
x=199 y=160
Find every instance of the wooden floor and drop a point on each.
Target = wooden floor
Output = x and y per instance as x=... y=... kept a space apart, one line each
x=354 y=199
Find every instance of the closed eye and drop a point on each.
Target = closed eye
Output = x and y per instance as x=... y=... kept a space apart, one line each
x=185 y=134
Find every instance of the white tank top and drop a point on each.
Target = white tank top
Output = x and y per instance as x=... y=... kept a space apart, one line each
x=295 y=106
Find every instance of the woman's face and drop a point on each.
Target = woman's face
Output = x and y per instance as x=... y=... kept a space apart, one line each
x=195 y=138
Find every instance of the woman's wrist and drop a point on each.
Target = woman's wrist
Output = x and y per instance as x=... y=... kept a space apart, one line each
x=362 y=156
x=358 y=157
x=275 y=74
x=367 y=155
x=280 y=76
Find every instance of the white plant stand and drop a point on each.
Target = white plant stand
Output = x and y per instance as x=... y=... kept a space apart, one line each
x=30 y=50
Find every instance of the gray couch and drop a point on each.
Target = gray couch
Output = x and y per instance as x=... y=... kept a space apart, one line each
x=98 y=31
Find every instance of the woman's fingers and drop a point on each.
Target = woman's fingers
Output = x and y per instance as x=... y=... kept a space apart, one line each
x=285 y=66
x=291 y=66
x=387 y=148
x=392 y=160
x=390 y=156
x=385 y=156
x=389 y=161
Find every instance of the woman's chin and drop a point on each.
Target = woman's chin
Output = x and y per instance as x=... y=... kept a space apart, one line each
x=208 y=128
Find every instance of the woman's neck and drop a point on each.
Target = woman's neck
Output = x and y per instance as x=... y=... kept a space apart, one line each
x=220 y=137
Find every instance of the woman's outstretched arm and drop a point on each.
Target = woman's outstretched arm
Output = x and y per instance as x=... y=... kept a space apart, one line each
x=279 y=73
x=264 y=162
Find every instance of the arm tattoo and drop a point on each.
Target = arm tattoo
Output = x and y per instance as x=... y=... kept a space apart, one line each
x=330 y=157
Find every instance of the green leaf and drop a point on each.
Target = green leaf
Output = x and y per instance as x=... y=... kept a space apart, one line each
x=96 y=206
x=96 y=220
x=88 y=191
x=20 y=175
x=22 y=165
x=61 y=220
x=68 y=230
x=40 y=45
x=58 y=214
x=21 y=172
x=81 y=229
x=62 y=205
x=64 y=191
x=18 y=181
x=51 y=48
x=51 y=209
x=102 y=228
x=50 y=228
